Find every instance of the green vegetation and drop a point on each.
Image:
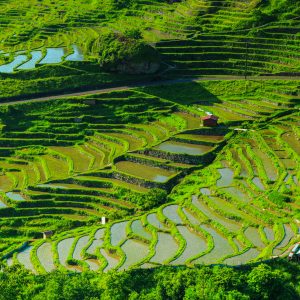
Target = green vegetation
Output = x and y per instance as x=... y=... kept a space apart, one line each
x=275 y=281
x=71 y=161
x=125 y=53
x=127 y=181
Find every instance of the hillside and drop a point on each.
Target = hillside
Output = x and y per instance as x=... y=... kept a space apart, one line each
x=125 y=175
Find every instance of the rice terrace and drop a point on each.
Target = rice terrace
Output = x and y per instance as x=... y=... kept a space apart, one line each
x=139 y=135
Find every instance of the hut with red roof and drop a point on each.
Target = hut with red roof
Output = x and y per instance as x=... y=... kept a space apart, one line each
x=210 y=121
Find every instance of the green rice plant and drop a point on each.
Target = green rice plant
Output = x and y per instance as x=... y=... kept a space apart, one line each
x=34 y=258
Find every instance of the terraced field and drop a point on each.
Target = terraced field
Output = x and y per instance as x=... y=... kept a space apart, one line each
x=174 y=192
x=195 y=37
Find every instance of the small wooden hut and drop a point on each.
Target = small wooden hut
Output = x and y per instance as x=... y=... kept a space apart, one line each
x=210 y=121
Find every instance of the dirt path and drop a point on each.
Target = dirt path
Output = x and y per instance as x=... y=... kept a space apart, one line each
x=145 y=84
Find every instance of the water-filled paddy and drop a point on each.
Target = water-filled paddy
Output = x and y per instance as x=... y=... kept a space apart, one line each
x=232 y=226
x=153 y=220
x=99 y=234
x=15 y=196
x=10 y=261
x=287 y=237
x=258 y=183
x=205 y=191
x=135 y=251
x=171 y=213
x=237 y=193
x=81 y=243
x=63 y=249
x=112 y=261
x=194 y=245
x=226 y=177
x=165 y=248
x=242 y=258
x=9 y=68
x=35 y=57
x=191 y=217
x=45 y=255
x=138 y=229
x=53 y=56
x=143 y=171
x=269 y=233
x=24 y=259
x=118 y=232
x=221 y=248
x=183 y=148
x=253 y=235
x=93 y=247
x=77 y=54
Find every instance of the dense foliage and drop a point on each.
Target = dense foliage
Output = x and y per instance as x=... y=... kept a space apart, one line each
x=278 y=280
x=113 y=49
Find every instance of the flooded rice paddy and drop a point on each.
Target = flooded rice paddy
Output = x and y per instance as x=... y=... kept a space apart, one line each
x=15 y=196
x=45 y=256
x=57 y=55
x=135 y=251
x=183 y=148
x=25 y=260
x=171 y=213
x=194 y=245
x=138 y=229
x=144 y=171
x=242 y=258
x=221 y=248
x=226 y=177
x=118 y=232
x=165 y=248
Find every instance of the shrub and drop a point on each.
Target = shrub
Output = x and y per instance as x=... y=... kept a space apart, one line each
x=278 y=198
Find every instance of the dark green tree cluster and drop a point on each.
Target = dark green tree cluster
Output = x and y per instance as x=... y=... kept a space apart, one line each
x=153 y=198
x=273 y=281
x=115 y=48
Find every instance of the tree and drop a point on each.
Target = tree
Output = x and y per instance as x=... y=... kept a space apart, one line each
x=124 y=52
x=264 y=283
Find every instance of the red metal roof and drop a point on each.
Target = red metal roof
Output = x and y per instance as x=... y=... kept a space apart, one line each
x=210 y=117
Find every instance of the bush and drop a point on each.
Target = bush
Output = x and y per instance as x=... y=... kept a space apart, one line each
x=278 y=198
